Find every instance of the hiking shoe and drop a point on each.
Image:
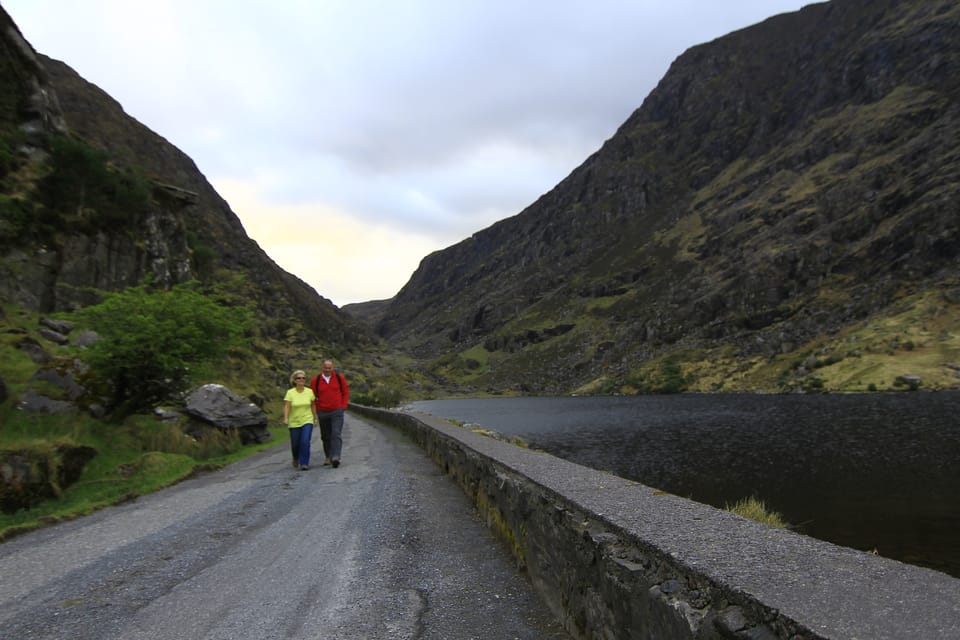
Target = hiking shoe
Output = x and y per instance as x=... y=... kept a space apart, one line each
x=304 y=467
x=335 y=462
x=294 y=463
x=326 y=462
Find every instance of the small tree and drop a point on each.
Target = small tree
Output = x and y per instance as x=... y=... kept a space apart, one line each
x=150 y=340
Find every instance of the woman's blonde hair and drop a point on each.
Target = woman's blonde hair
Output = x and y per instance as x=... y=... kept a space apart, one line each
x=293 y=377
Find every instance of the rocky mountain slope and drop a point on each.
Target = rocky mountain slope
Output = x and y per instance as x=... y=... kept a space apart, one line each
x=91 y=199
x=781 y=212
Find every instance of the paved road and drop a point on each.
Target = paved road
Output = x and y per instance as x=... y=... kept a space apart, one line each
x=383 y=547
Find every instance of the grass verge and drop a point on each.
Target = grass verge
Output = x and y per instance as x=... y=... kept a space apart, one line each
x=134 y=458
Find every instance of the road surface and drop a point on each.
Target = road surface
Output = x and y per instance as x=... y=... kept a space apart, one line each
x=383 y=547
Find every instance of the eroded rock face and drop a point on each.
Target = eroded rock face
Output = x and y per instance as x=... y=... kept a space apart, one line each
x=753 y=202
x=215 y=406
x=186 y=231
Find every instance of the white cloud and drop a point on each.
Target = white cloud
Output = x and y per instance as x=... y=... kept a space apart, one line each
x=407 y=125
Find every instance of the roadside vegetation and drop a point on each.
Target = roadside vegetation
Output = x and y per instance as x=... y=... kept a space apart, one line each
x=157 y=344
x=133 y=458
x=154 y=344
x=755 y=509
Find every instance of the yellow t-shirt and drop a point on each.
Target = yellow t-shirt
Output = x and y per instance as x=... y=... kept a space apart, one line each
x=300 y=413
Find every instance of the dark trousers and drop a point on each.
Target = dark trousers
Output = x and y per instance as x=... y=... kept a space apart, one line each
x=331 y=432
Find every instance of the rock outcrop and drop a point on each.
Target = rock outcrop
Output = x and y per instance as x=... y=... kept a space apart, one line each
x=213 y=406
x=780 y=183
x=180 y=230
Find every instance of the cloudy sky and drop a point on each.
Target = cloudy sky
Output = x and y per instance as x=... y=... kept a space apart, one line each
x=354 y=137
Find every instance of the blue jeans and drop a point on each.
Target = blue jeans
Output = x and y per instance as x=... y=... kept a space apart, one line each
x=331 y=429
x=300 y=443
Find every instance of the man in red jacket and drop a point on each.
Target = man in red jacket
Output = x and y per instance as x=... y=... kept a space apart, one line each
x=333 y=396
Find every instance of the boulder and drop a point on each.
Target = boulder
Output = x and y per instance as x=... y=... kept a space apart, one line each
x=909 y=381
x=36 y=403
x=54 y=336
x=214 y=405
x=85 y=338
x=64 y=378
x=30 y=476
x=60 y=326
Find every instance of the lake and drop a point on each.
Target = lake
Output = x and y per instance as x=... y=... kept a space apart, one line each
x=877 y=472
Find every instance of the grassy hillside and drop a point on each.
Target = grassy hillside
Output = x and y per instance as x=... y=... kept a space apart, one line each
x=141 y=453
x=919 y=337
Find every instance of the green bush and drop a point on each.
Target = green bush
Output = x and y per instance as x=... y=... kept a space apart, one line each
x=151 y=341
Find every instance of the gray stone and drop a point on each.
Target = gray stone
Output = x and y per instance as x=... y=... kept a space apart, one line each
x=85 y=338
x=54 y=336
x=730 y=620
x=63 y=378
x=36 y=403
x=217 y=406
x=60 y=326
x=167 y=415
x=909 y=381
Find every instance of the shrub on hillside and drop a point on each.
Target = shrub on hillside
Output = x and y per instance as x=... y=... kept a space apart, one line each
x=152 y=341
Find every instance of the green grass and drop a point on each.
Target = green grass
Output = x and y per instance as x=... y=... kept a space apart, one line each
x=134 y=458
x=755 y=509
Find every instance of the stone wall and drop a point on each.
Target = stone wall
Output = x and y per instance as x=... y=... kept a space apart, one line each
x=615 y=559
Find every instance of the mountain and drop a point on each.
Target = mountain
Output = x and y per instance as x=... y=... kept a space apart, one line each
x=780 y=213
x=92 y=200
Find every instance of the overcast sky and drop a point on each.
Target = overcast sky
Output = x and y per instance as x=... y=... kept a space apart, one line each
x=354 y=137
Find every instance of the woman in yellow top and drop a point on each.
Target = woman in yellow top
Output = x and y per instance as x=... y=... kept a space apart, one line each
x=299 y=415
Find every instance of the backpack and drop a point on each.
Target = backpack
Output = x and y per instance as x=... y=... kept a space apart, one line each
x=316 y=383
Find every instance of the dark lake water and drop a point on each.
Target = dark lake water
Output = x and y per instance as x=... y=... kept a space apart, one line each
x=869 y=471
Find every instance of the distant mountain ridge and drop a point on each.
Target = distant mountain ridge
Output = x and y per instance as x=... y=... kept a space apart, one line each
x=783 y=184
x=184 y=231
x=780 y=213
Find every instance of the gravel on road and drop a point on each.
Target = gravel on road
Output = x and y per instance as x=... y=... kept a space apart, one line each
x=384 y=547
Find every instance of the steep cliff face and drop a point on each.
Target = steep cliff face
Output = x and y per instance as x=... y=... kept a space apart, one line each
x=780 y=183
x=59 y=269
x=160 y=217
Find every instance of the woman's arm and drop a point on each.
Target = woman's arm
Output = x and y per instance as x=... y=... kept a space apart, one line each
x=286 y=412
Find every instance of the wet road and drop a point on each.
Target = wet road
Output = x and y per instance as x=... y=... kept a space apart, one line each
x=383 y=547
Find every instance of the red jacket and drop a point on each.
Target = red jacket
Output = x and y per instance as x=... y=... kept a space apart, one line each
x=331 y=395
